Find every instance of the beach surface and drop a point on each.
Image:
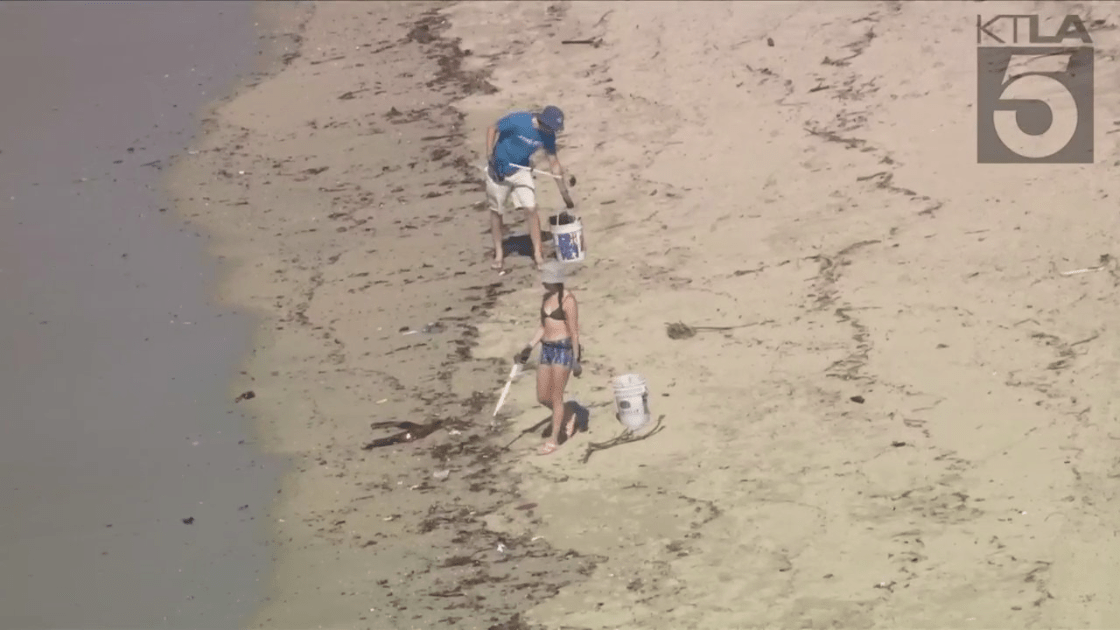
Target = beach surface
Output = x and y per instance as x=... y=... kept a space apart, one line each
x=132 y=491
x=894 y=410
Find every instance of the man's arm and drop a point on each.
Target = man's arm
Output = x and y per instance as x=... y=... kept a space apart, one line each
x=493 y=132
x=558 y=170
x=491 y=140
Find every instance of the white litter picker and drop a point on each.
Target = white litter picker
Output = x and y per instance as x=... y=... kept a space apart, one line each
x=513 y=373
x=534 y=170
x=526 y=168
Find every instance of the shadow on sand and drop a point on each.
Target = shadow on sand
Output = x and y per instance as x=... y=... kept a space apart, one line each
x=582 y=423
x=522 y=245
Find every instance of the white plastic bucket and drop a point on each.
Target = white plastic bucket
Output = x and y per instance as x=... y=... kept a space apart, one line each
x=567 y=239
x=631 y=398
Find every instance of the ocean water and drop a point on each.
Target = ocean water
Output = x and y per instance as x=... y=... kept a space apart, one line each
x=115 y=421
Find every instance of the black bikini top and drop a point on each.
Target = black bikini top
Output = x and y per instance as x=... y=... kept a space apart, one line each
x=558 y=313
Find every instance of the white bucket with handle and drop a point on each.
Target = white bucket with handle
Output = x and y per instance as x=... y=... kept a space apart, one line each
x=567 y=238
x=631 y=397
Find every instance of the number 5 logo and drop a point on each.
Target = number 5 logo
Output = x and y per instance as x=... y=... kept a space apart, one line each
x=1035 y=117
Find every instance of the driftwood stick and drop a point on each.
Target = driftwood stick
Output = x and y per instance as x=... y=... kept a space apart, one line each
x=595 y=42
x=626 y=437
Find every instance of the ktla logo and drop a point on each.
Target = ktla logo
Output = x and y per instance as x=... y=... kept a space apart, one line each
x=1034 y=102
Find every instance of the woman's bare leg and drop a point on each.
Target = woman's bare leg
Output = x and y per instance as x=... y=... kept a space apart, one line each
x=558 y=378
x=544 y=385
x=544 y=381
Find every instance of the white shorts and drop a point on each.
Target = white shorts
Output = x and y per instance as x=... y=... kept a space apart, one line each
x=517 y=187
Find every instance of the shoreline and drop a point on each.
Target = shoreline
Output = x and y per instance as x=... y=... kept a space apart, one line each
x=279 y=27
x=132 y=498
x=305 y=364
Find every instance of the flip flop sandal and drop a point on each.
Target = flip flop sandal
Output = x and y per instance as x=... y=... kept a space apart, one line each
x=547 y=449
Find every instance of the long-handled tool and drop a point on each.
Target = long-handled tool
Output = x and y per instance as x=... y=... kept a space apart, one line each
x=563 y=192
x=526 y=168
x=533 y=170
x=571 y=180
x=513 y=372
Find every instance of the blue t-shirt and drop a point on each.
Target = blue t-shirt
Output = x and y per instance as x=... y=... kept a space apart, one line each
x=517 y=141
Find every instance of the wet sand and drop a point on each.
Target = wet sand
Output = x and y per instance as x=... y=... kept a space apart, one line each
x=901 y=416
x=118 y=423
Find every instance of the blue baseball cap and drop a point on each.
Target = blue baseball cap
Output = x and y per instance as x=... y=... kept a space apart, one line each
x=552 y=118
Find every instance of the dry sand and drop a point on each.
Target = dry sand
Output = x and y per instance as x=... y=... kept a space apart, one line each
x=820 y=194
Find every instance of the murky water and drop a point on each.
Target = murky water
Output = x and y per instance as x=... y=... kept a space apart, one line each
x=115 y=423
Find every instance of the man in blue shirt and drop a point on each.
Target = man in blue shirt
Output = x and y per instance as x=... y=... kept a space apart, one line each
x=510 y=143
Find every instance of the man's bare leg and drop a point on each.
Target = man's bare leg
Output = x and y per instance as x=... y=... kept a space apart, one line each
x=496 y=228
x=533 y=225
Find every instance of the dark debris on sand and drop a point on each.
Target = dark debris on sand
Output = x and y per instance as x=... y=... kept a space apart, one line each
x=486 y=579
x=485 y=585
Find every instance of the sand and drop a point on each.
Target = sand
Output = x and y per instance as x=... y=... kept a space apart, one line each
x=908 y=426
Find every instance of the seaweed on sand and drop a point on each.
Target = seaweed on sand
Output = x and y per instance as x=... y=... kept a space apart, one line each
x=411 y=433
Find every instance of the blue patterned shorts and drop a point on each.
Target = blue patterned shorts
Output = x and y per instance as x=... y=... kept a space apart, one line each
x=558 y=353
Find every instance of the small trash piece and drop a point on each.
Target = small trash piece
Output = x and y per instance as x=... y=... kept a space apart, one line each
x=1103 y=262
x=189 y=520
x=1077 y=271
x=441 y=474
x=770 y=42
x=501 y=548
x=246 y=395
x=857 y=399
x=596 y=42
x=897 y=444
x=679 y=330
x=346 y=96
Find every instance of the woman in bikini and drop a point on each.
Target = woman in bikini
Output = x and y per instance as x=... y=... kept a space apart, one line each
x=558 y=335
